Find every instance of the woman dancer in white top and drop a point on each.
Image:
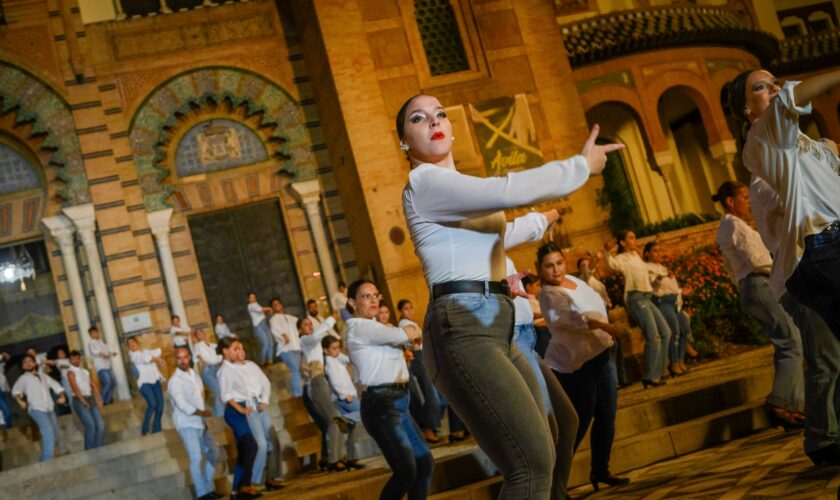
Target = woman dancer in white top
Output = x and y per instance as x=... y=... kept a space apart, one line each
x=222 y=329
x=147 y=362
x=458 y=228
x=209 y=362
x=87 y=401
x=376 y=351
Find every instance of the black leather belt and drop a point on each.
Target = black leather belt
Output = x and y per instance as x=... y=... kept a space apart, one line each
x=450 y=287
x=830 y=234
x=398 y=387
x=759 y=274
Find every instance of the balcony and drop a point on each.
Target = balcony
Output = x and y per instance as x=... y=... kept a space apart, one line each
x=806 y=53
x=618 y=34
x=143 y=8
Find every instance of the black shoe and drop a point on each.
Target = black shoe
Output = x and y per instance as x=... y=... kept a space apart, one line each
x=652 y=383
x=608 y=479
x=271 y=485
x=323 y=465
x=336 y=466
x=826 y=456
x=354 y=464
x=455 y=438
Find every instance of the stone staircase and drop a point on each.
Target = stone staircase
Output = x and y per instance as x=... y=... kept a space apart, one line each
x=718 y=401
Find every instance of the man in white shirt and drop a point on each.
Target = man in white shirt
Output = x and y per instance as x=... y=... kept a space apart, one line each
x=102 y=364
x=186 y=392
x=32 y=392
x=180 y=334
x=284 y=330
x=87 y=401
x=339 y=301
x=5 y=406
x=315 y=317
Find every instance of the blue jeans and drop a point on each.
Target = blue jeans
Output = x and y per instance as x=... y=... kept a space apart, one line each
x=6 y=409
x=246 y=446
x=472 y=359
x=198 y=443
x=821 y=351
x=788 y=382
x=292 y=360
x=386 y=418
x=48 y=426
x=91 y=421
x=526 y=338
x=263 y=334
x=592 y=391
x=153 y=394
x=655 y=329
x=260 y=424
x=352 y=410
x=676 y=347
x=106 y=380
x=816 y=280
x=211 y=380
x=431 y=412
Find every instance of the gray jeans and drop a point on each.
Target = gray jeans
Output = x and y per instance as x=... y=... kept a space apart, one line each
x=472 y=360
x=822 y=375
x=321 y=395
x=788 y=382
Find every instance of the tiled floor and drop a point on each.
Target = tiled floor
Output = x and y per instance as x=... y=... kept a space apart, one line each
x=770 y=464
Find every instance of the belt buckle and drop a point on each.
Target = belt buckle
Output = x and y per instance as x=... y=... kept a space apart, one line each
x=834 y=226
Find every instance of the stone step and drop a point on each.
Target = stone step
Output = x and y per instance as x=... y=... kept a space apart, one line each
x=172 y=486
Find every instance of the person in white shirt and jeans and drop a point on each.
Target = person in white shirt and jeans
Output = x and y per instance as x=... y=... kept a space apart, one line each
x=147 y=362
x=180 y=334
x=209 y=362
x=32 y=392
x=102 y=355
x=261 y=330
x=87 y=401
x=186 y=392
x=284 y=330
x=344 y=393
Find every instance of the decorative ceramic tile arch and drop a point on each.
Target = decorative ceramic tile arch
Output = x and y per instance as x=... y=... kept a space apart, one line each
x=155 y=119
x=49 y=115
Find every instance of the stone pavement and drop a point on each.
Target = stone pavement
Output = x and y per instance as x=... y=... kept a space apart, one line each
x=770 y=464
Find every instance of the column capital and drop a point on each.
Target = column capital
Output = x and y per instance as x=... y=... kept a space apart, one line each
x=61 y=229
x=83 y=217
x=307 y=192
x=159 y=222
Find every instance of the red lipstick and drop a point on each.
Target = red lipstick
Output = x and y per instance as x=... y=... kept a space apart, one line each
x=438 y=136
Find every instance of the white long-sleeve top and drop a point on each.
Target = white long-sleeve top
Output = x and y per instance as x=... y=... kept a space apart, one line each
x=255 y=310
x=243 y=382
x=82 y=379
x=311 y=344
x=186 y=391
x=36 y=387
x=339 y=377
x=377 y=351
x=183 y=338
x=318 y=321
x=206 y=353
x=455 y=220
x=742 y=248
x=148 y=369
x=101 y=354
x=804 y=173
x=768 y=215
x=281 y=324
x=633 y=268
x=222 y=331
x=662 y=281
x=566 y=312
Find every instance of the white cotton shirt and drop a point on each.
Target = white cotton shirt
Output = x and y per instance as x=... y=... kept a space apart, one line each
x=377 y=351
x=82 y=379
x=633 y=268
x=742 y=248
x=340 y=381
x=36 y=387
x=222 y=331
x=311 y=344
x=599 y=287
x=662 y=281
x=338 y=301
x=318 y=321
x=255 y=310
x=522 y=312
x=804 y=173
x=101 y=354
x=186 y=391
x=206 y=353
x=148 y=369
x=566 y=312
x=243 y=382
x=455 y=220
x=769 y=217
x=285 y=323
x=179 y=340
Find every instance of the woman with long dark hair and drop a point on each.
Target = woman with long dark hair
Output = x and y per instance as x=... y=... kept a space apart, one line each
x=459 y=230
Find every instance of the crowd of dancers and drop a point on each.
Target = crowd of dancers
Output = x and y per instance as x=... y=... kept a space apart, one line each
x=478 y=356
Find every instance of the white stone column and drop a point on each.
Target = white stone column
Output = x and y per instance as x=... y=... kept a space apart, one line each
x=159 y=224
x=62 y=231
x=84 y=219
x=308 y=193
x=665 y=162
x=725 y=152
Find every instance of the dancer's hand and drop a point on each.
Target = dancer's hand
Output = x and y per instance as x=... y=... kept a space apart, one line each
x=413 y=333
x=513 y=283
x=596 y=154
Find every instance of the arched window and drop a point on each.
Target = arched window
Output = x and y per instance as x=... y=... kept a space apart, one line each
x=218 y=145
x=441 y=36
x=16 y=172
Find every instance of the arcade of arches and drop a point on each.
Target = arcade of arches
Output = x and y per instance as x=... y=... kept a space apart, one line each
x=169 y=164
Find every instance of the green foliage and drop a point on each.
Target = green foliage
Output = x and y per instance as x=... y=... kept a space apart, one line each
x=672 y=224
x=618 y=196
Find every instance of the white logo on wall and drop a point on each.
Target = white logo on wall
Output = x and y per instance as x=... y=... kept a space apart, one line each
x=217 y=144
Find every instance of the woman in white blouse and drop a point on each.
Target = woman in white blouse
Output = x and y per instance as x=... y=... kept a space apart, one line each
x=637 y=297
x=578 y=353
x=147 y=362
x=222 y=329
x=376 y=351
x=460 y=232
x=209 y=362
